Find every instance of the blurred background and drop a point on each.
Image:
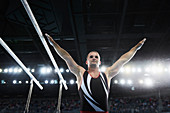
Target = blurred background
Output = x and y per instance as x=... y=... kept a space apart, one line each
x=111 y=27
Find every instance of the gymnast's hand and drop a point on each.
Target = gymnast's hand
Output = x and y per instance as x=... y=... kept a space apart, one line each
x=50 y=39
x=140 y=44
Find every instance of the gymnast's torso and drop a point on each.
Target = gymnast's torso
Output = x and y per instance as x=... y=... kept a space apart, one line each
x=94 y=93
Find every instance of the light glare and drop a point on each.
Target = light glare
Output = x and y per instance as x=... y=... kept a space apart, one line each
x=129 y=82
x=19 y=70
x=140 y=81
x=133 y=69
x=19 y=82
x=32 y=70
x=10 y=70
x=139 y=70
x=52 y=82
x=71 y=81
x=147 y=69
x=6 y=70
x=122 y=81
x=127 y=69
x=46 y=81
x=43 y=70
x=61 y=70
x=15 y=70
x=122 y=70
x=14 y=81
x=67 y=70
x=48 y=70
x=103 y=69
x=115 y=81
x=148 y=82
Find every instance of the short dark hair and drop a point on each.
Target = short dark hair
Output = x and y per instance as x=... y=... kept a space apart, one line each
x=92 y=51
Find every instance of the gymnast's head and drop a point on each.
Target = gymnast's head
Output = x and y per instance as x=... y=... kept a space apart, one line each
x=93 y=59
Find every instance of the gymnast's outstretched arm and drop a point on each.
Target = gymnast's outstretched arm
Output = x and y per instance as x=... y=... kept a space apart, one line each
x=72 y=65
x=115 y=68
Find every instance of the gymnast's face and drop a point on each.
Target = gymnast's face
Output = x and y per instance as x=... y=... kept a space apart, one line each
x=93 y=59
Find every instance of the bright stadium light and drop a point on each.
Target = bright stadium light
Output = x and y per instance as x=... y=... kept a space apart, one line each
x=127 y=69
x=147 y=69
x=140 y=81
x=122 y=70
x=76 y=82
x=129 y=82
x=0 y=70
x=160 y=69
x=19 y=70
x=55 y=81
x=71 y=81
x=116 y=81
x=46 y=81
x=148 y=82
x=26 y=82
x=15 y=70
x=122 y=81
x=3 y=82
x=103 y=69
x=48 y=70
x=154 y=69
x=139 y=70
x=133 y=69
x=20 y=82
x=166 y=70
x=133 y=88
x=14 y=81
x=43 y=70
x=10 y=70
x=67 y=70
x=61 y=70
x=6 y=70
x=32 y=70
x=146 y=74
x=52 y=82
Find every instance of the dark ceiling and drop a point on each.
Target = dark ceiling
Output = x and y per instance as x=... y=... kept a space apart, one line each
x=111 y=27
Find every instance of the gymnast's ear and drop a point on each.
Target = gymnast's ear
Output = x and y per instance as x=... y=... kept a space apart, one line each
x=86 y=62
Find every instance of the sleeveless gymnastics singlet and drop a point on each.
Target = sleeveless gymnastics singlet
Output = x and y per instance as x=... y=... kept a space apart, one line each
x=94 y=94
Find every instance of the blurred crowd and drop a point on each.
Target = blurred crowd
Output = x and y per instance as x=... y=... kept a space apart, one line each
x=116 y=105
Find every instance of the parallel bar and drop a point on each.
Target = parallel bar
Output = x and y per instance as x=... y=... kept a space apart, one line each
x=59 y=98
x=34 y=22
x=20 y=63
x=29 y=97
